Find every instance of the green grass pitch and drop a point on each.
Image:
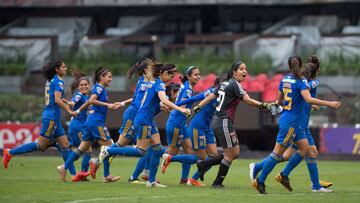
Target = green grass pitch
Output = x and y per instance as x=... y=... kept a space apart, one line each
x=34 y=179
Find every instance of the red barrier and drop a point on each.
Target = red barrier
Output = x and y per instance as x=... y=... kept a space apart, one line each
x=12 y=134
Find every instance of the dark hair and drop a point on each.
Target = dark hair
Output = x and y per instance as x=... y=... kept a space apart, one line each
x=217 y=82
x=78 y=77
x=171 y=86
x=98 y=73
x=310 y=71
x=160 y=68
x=295 y=64
x=49 y=69
x=189 y=70
x=234 y=66
x=139 y=67
x=314 y=59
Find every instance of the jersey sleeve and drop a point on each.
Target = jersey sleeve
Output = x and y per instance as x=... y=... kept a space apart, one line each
x=76 y=98
x=303 y=85
x=193 y=99
x=160 y=86
x=58 y=86
x=97 y=90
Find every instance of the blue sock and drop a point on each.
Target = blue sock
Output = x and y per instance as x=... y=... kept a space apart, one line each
x=106 y=165
x=155 y=160
x=196 y=174
x=30 y=147
x=148 y=156
x=69 y=158
x=139 y=167
x=259 y=166
x=313 y=171
x=126 y=151
x=294 y=160
x=269 y=164
x=185 y=158
x=185 y=171
x=85 y=162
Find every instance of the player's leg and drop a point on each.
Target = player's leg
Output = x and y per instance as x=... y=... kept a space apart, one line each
x=155 y=159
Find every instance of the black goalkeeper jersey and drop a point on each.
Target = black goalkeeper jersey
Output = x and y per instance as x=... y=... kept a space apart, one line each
x=229 y=93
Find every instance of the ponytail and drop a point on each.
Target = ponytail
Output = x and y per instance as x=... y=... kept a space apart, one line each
x=49 y=69
x=139 y=67
x=295 y=64
x=233 y=67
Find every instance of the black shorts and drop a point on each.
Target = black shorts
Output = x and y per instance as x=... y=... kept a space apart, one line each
x=225 y=132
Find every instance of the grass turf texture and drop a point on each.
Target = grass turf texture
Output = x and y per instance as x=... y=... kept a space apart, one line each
x=34 y=179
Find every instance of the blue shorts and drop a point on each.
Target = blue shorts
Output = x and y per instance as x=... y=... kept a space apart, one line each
x=201 y=137
x=51 y=129
x=288 y=134
x=75 y=132
x=309 y=137
x=127 y=129
x=145 y=131
x=175 y=136
x=94 y=133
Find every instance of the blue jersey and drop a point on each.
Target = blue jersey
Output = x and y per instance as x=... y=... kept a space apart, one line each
x=52 y=110
x=140 y=90
x=97 y=114
x=293 y=103
x=176 y=117
x=150 y=104
x=313 y=84
x=205 y=115
x=79 y=99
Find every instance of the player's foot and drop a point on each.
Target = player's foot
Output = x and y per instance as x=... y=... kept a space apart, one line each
x=202 y=169
x=193 y=182
x=166 y=159
x=183 y=181
x=217 y=186
x=103 y=154
x=136 y=181
x=322 y=190
x=62 y=172
x=81 y=176
x=325 y=184
x=154 y=184
x=284 y=180
x=252 y=173
x=6 y=157
x=110 y=178
x=260 y=187
x=94 y=165
x=144 y=177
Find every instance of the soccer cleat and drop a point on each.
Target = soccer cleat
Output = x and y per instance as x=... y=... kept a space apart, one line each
x=194 y=182
x=94 y=165
x=260 y=187
x=325 y=184
x=81 y=176
x=252 y=173
x=284 y=180
x=154 y=184
x=145 y=177
x=217 y=186
x=322 y=190
x=201 y=169
x=62 y=172
x=183 y=181
x=110 y=178
x=6 y=158
x=136 y=181
x=166 y=159
x=103 y=154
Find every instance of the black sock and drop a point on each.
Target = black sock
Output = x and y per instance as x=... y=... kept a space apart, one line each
x=223 y=170
x=214 y=161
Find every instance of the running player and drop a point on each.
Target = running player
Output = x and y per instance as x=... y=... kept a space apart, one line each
x=228 y=95
x=293 y=96
x=176 y=127
x=51 y=128
x=95 y=129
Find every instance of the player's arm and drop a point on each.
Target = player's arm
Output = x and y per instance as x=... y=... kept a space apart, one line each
x=168 y=103
x=273 y=107
x=60 y=103
x=193 y=99
x=280 y=98
x=313 y=101
x=93 y=100
x=123 y=103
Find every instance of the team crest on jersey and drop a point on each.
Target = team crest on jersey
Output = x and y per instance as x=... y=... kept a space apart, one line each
x=61 y=85
x=162 y=85
x=98 y=90
x=188 y=93
x=143 y=87
x=77 y=98
x=207 y=93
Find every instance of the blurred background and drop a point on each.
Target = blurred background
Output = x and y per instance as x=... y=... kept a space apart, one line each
x=210 y=34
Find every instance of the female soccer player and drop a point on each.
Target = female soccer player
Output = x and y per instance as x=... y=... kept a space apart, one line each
x=202 y=136
x=51 y=128
x=294 y=96
x=145 y=127
x=176 y=127
x=228 y=94
x=80 y=89
x=95 y=129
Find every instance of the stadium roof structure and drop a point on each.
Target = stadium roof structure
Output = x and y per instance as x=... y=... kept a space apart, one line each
x=126 y=3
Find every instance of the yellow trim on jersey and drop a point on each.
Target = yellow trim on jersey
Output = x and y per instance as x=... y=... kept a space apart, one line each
x=288 y=136
x=102 y=132
x=196 y=138
x=175 y=137
x=144 y=132
x=50 y=128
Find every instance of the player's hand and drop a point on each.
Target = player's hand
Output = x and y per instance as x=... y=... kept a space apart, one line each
x=164 y=108
x=73 y=113
x=187 y=112
x=335 y=104
x=273 y=107
x=112 y=106
x=315 y=107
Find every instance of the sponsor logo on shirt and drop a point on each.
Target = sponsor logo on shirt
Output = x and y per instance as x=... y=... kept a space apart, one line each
x=98 y=90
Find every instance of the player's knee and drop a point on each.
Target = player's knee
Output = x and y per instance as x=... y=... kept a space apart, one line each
x=42 y=146
x=313 y=153
x=141 y=151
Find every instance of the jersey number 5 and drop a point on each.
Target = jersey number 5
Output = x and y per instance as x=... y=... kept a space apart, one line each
x=287 y=98
x=47 y=96
x=220 y=100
